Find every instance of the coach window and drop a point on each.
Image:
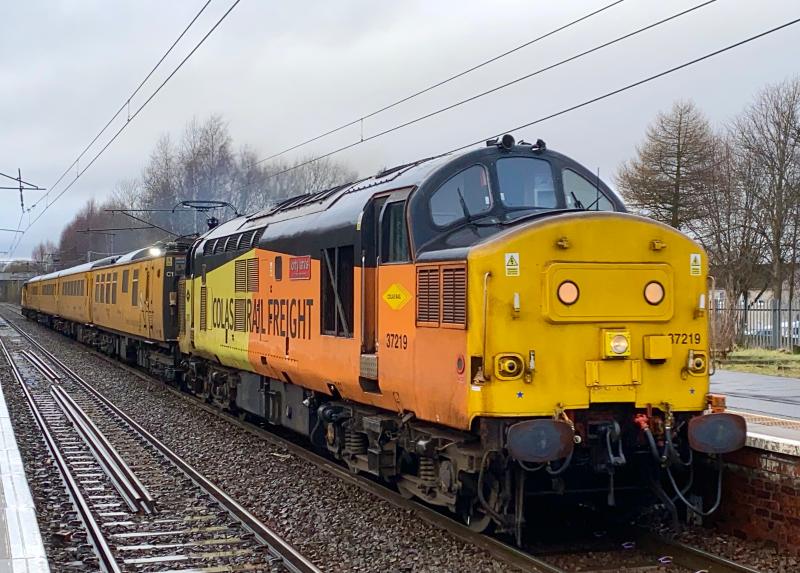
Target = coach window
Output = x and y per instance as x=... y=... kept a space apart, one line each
x=125 y=277
x=337 y=291
x=114 y=289
x=135 y=288
x=108 y=288
x=97 y=288
x=464 y=195
x=394 y=247
x=583 y=194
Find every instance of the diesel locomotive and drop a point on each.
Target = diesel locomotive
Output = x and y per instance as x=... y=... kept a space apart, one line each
x=474 y=328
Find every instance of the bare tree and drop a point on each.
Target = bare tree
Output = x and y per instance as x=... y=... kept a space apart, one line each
x=670 y=173
x=767 y=136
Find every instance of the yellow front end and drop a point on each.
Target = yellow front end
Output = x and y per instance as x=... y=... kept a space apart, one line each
x=587 y=308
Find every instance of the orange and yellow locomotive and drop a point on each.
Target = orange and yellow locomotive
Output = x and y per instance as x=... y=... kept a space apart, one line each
x=470 y=328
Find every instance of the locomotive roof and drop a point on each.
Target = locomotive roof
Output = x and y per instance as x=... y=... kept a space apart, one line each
x=407 y=175
x=323 y=219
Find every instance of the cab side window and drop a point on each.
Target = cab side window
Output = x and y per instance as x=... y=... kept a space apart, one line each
x=583 y=194
x=394 y=234
x=464 y=195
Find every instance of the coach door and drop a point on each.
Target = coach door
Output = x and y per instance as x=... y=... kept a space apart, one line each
x=148 y=300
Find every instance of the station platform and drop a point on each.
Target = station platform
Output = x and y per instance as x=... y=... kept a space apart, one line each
x=21 y=548
x=771 y=405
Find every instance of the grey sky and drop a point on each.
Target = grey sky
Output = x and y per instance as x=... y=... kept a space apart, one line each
x=280 y=72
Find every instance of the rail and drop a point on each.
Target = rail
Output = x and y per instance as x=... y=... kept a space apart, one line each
x=95 y=535
x=290 y=557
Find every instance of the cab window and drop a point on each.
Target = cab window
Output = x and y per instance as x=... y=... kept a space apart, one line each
x=583 y=194
x=463 y=195
x=526 y=183
x=395 y=236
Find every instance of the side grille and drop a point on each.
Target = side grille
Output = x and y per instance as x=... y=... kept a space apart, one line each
x=428 y=299
x=181 y=306
x=231 y=242
x=245 y=275
x=239 y=306
x=257 y=237
x=240 y=276
x=208 y=248
x=203 y=304
x=454 y=296
x=252 y=275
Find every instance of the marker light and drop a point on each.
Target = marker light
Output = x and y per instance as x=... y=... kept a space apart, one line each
x=619 y=344
x=654 y=292
x=568 y=293
x=155 y=252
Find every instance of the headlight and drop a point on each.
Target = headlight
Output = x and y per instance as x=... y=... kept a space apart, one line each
x=654 y=292
x=619 y=344
x=568 y=292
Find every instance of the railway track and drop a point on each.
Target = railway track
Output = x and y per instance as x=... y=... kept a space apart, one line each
x=142 y=507
x=645 y=551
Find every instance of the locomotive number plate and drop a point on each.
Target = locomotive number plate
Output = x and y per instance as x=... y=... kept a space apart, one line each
x=684 y=337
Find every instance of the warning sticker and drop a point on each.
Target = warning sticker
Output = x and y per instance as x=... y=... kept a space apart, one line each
x=695 y=265
x=512 y=264
x=396 y=296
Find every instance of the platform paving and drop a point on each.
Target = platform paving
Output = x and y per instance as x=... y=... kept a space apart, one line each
x=21 y=548
x=771 y=405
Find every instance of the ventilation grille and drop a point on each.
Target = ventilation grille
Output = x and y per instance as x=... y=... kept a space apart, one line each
x=252 y=275
x=231 y=242
x=247 y=239
x=428 y=287
x=203 y=304
x=181 y=306
x=240 y=276
x=208 y=248
x=257 y=237
x=454 y=296
x=239 y=306
x=246 y=275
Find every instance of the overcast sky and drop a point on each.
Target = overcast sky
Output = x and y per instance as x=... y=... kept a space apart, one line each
x=280 y=72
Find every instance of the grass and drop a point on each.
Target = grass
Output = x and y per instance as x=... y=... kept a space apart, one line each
x=762 y=361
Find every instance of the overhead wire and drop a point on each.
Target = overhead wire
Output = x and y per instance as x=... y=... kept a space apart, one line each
x=486 y=92
x=127 y=101
x=440 y=83
x=131 y=117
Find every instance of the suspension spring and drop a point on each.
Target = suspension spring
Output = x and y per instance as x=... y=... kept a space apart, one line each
x=355 y=442
x=427 y=471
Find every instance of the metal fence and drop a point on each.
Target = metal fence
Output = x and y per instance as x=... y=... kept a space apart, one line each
x=766 y=325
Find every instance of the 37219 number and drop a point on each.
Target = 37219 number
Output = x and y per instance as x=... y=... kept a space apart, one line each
x=684 y=337
x=399 y=341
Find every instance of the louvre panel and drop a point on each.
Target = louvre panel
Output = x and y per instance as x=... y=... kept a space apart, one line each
x=428 y=295
x=257 y=237
x=203 y=304
x=454 y=296
x=182 y=306
x=240 y=276
x=208 y=248
x=252 y=275
x=231 y=243
x=239 y=306
x=247 y=239
x=219 y=245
